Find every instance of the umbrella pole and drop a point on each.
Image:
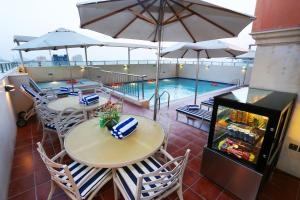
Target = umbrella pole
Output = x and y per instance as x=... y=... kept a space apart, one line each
x=21 y=57
x=70 y=70
x=159 y=32
x=86 y=59
x=197 y=77
x=20 y=54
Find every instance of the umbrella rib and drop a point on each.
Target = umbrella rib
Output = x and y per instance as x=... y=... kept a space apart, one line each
x=186 y=29
x=225 y=9
x=170 y=19
x=232 y=54
x=108 y=15
x=184 y=53
x=127 y=25
x=146 y=8
x=207 y=54
x=206 y=19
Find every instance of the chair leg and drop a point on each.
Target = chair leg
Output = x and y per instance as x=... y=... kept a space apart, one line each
x=52 y=189
x=44 y=137
x=116 y=191
x=61 y=143
x=179 y=193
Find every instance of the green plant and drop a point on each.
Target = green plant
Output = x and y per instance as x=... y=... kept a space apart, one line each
x=109 y=115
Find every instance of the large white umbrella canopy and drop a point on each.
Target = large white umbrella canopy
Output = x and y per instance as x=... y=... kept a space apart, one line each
x=206 y=49
x=157 y=20
x=59 y=39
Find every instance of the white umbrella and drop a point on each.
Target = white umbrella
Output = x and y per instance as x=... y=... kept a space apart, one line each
x=176 y=20
x=206 y=49
x=59 y=39
x=250 y=55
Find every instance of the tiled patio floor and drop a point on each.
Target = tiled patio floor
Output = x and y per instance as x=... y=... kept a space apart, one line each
x=30 y=178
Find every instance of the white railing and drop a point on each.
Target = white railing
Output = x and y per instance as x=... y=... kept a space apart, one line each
x=237 y=63
x=6 y=66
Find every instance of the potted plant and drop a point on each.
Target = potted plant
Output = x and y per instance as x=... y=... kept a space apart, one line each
x=109 y=115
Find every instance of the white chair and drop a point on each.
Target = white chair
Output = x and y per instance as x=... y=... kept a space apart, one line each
x=46 y=117
x=103 y=91
x=77 y=180
x=66 y=120
x=150 y=179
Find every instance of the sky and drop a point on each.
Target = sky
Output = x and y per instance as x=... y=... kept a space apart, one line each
x=38 y=17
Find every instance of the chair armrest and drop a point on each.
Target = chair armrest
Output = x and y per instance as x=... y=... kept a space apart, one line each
x=59 y=155
x=165 y=153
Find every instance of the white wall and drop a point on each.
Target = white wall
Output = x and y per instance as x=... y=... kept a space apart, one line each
x=224 y=74
x=7 y=138
x=42 y=74
x=277 y=67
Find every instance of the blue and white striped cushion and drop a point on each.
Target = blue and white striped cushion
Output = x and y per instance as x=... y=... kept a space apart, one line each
x=124 y=128
x=90 y=99
x=64 y=89
x=79 y=171
x=50 y=126
x=121 y=136
x=128 y=176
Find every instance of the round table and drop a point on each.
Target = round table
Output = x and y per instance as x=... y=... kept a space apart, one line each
x=73 y=102
x=94 y=146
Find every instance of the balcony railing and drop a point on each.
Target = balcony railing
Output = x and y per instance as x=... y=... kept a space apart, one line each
x=6 y=66
x=129 y=84
x=237 y=63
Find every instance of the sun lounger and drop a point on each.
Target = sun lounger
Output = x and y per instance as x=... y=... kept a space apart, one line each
x=208 y=103
x=194 y=114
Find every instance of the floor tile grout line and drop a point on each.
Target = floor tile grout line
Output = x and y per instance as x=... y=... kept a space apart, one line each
x=21 y=193
x=34 y=171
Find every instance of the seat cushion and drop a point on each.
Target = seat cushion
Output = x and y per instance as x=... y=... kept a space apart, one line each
x=201 y=114
x=50 y=126
x=79 y=171
x=128 y=176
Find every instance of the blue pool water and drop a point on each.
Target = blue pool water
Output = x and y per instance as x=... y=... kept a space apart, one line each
x=180 y=88
x=58 y=84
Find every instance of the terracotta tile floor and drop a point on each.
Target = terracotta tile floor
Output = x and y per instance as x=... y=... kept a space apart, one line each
x=30 y=179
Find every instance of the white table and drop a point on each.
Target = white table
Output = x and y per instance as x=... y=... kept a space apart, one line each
x=92 y=145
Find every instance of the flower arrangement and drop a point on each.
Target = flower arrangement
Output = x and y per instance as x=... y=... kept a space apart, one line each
x=109 y=115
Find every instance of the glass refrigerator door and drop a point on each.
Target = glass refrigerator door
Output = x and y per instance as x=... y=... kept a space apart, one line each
x=239 y=133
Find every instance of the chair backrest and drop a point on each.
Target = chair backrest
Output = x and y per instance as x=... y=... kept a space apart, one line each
x=103 y=91
x=59 y=173
x=67 y=119
x=119 y=103
x=46 y=115
x=162 y=180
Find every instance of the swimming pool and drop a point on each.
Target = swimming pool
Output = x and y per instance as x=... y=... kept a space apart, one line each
x=177 y=87
x=81 y=83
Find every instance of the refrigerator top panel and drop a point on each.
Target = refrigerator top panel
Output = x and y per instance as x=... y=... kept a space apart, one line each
x=261 y=98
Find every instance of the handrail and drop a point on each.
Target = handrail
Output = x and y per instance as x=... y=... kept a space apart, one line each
x=164 y=92
x=237 y=82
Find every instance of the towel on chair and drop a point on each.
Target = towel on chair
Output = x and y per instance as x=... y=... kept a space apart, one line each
x=64 y=89
x=193 y=107
x=124 y=128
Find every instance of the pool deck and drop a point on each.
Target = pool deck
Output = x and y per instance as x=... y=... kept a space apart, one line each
x=30 y=178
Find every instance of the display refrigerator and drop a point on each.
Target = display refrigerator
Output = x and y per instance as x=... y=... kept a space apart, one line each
x=246 y=135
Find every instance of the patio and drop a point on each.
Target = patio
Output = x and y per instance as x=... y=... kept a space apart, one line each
x=30 y=179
